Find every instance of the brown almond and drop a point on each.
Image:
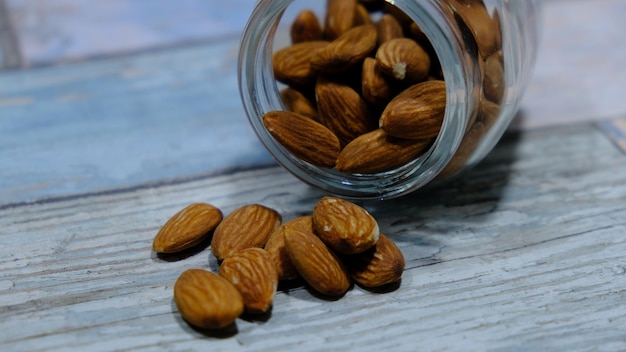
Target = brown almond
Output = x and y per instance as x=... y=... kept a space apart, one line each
x=375 y=86
x=346 y=51
x=404 y=60
x=362 y=16
x=292 y=65
x=417 y=112
x=488 y=112
x=343 y=110
x=466 y=149
x=252 y=272
x=377 y=152
x=297 y=102
x=484 y=27
x=303 y=137
x=316 y=263
x=493 y=83
x=248 y=226
x=339 y=17
x=306 y=27
x=381 y=265
x=277 y=249
x=344 y=226
x=388 y=28
x=206 y=300
x=187 y=228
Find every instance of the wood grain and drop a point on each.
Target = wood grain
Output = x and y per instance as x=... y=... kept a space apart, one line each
x=523 y=253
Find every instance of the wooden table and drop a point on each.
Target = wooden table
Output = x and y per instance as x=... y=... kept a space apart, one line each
x=100 y=144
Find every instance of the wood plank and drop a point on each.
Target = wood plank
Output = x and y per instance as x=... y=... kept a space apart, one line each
x=523 y=253
x=121 y=122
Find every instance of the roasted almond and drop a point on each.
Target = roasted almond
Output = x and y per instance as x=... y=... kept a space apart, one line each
x=316 y=263
x=297 y=102
x=417 y=112
x=377 y=152
x=339 y=17
x=378 y=266
x=346 y=51
x=344 y=226
x=277 y=249
x=187 y=228
x=206 y=300
x=484 y=27
x=343 y=110
x=493 y=82
x=248 y=226
x=306 y=27
x=388 y=28
x=252 y=272
x=292 y=65
x=404 y=60
x=376 y=88
x=303 y=137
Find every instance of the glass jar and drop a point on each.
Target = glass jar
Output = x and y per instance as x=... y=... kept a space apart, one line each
x=485 y=50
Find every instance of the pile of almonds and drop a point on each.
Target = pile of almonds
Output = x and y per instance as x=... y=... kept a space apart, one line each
x=339 y=243
x=365 y=92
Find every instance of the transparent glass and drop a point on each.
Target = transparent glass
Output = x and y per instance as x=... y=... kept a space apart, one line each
x=485 y=70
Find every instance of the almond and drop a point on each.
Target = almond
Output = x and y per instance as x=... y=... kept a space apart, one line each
x=484 y=28
x=361 y=16
x=466 y=149
x=339 y=17
x=248 y=226
x=388 y=28
x=417 y=112
x=297 y=102
x=488 y=112
x=303 y=137
x=207 y=300
x=380 y=265
x=346 y=51
x=306 y=27
x=292 y=65
x=277 y=249
x=375 y=87
x=377 y=152
x=252 y=272
x=187 y=228
x=344 y=226
x=493 y=83
x=316 y=263
x=404 y=60
x=343 y=110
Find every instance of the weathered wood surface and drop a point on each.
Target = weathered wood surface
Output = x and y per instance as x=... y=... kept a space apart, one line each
x=524 y=253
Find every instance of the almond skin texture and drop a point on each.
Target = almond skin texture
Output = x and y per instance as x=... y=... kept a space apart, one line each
x=248 y=226
x=306 y=28
x=277 y=249
x=206 y=300
x=316 y=263
x=377 y=152
x=404 y=60
x=346 y=51
x=417 y=112
x=380 y=265
x=375 y=87
x=344 y=226
x=303 y=137
x=187 y=228
x=343 y=110
x=292 y=65
x=484 y=28
x=252 y=272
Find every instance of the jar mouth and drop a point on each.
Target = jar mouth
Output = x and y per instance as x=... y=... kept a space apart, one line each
x=260 y=94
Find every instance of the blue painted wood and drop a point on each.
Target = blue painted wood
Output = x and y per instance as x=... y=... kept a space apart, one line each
x=121 y=122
